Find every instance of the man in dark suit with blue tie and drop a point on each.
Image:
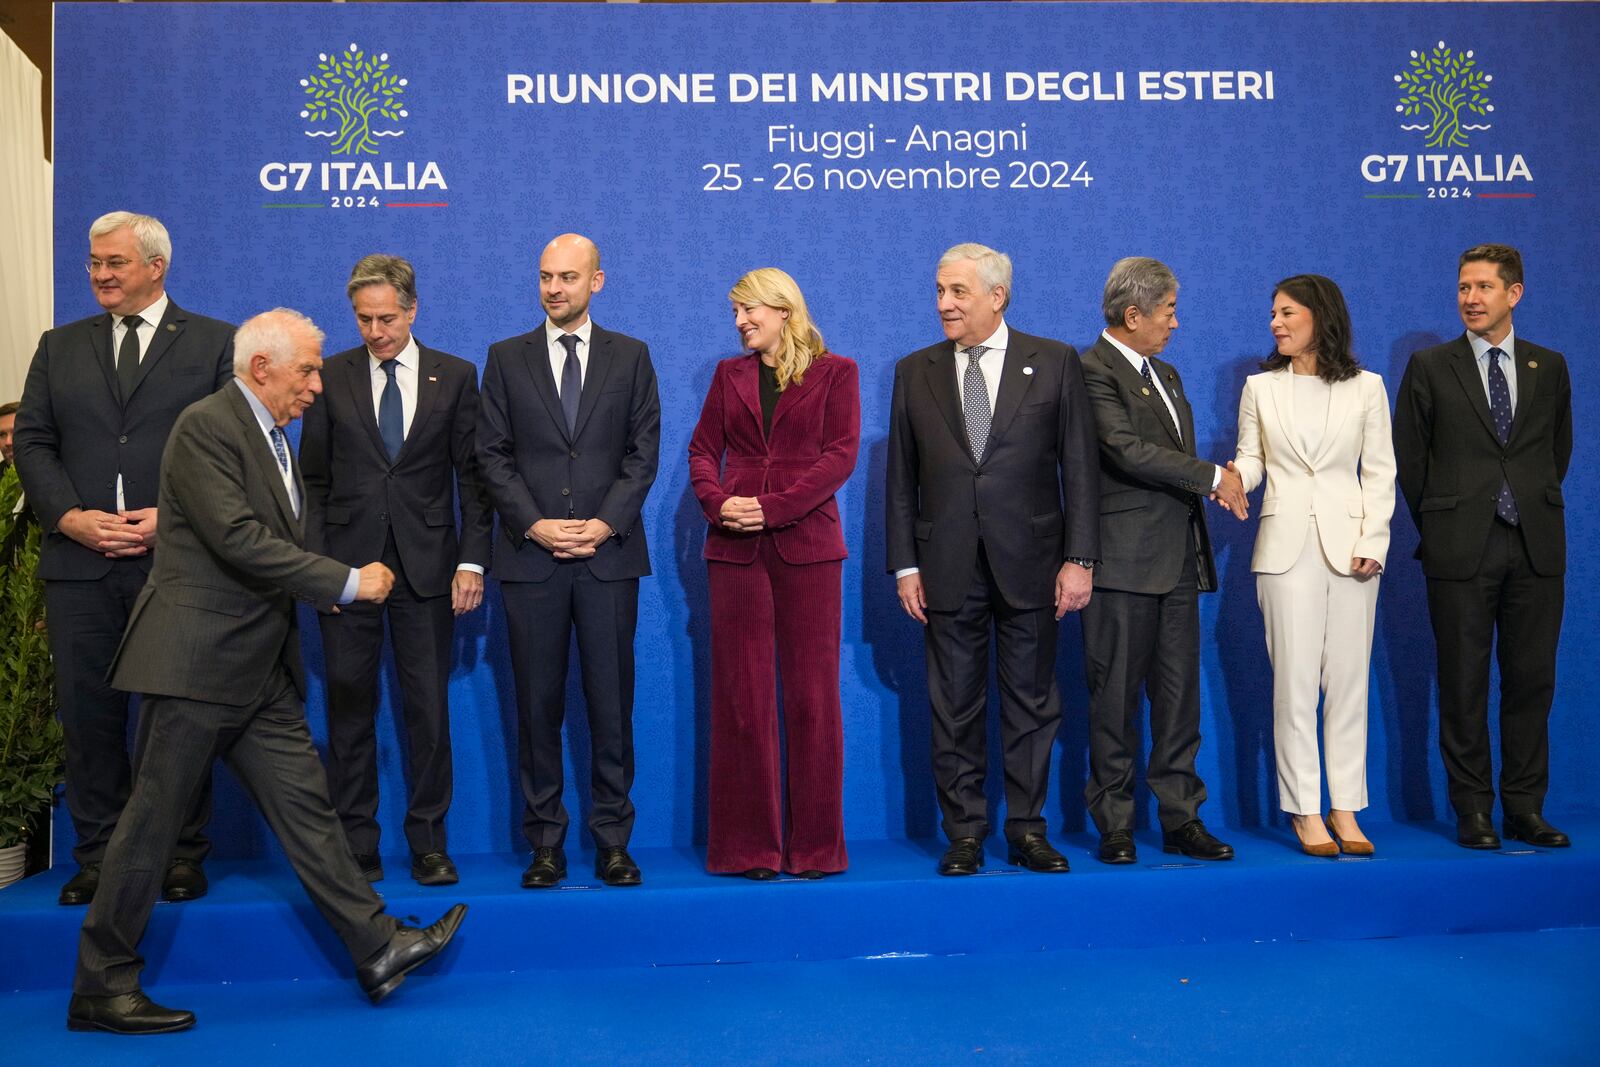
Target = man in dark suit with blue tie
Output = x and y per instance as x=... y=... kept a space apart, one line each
x=1482 y=436
x=568 y=434
x=388 y=453
x=100 y=399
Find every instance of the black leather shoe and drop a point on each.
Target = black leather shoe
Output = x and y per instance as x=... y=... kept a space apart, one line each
x=549 y=866
x=1193 y=840
x=761 y=874
x=407 y=950
x=1476 y=830
x=1116 y=846
x=434 y=868
x=371 y=866
x=964 y=856
x=1535 y=831
x=81 y=886
x=1034 y=852
x=614 y=866
x=811 y=874
x=185 y=880
x=125 y=1013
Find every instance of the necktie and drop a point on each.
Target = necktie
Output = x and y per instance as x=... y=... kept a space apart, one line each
x=571 y=382
x=128 y=356
x=391 y=416
x=1500 y=408
x=280 y=448
x=975 y=402
x=1150 y=384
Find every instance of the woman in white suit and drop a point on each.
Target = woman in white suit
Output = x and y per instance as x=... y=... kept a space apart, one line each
x=1316 y=427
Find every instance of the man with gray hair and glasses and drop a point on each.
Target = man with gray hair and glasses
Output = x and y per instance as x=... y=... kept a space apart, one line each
x=992 y=500
x=1142 y=629
x=100 y=399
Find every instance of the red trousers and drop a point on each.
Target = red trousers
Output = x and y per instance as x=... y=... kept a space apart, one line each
x=771 y=616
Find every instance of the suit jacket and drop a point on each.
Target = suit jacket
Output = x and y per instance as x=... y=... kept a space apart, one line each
x=74 y=433
x=940 y=501
x=1352 y=513
x=1150 y=480
x=217 y=615
x=355 y=495
x=1452 y=464
x=535 y=470
x=793 y=471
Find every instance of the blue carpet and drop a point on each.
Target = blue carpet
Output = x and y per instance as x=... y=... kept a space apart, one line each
x=1463 y=999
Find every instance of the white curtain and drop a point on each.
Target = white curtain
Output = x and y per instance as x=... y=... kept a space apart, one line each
x=26 y=282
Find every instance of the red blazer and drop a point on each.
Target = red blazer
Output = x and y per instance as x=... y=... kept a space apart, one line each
x=793 y=472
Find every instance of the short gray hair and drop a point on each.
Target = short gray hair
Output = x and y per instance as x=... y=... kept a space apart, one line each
x=994 y=268
x=379 y=269
x=1137 y=281
x=273 y=334
x=149 y=235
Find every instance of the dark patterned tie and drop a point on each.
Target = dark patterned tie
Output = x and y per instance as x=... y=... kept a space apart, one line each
x=571 y=382
x=1150 y=384
x=975 y=402
x=1500 y=408
x=280 y=448
x=128 y=356
x=391 y=413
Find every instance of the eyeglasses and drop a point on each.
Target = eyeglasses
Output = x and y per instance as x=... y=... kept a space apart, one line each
x=116 y=264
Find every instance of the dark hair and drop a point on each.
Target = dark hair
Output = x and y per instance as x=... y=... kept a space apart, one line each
x=9 y=408
x=1330 y=322
x=1507 y=261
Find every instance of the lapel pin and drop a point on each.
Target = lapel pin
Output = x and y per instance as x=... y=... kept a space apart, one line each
x=1533 y=364
x=1145 y=390
x=171 y=328
x=431 y=378
x=1027 y=370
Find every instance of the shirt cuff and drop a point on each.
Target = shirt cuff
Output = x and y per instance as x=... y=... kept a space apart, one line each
x=1216 y=479
x=902 y=572
x=352 y=585
x=475 y=568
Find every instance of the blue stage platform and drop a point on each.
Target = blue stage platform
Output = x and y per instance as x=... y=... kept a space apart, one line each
x=256 y=925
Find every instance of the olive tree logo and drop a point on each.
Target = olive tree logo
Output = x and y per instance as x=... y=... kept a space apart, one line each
x=1444 y=83
x=356 y=88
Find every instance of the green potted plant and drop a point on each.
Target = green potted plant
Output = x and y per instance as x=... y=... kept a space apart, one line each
x=32 y=753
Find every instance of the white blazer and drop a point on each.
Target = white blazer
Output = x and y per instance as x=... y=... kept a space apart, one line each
x=1352 y=512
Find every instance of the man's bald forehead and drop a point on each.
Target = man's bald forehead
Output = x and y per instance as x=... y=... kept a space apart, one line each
x=575 y=242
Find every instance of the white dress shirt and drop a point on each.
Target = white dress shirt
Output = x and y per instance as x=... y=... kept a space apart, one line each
x=149 y=319
x=405 y=377
x=265 y=421
x=558 y=351
x=1137 y=362
x=1508 y=362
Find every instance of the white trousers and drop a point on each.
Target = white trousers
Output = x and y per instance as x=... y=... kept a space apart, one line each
x=1319 y=638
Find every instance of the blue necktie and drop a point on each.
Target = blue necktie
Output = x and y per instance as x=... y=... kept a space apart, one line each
x=975 y=402
x=571 y=382
x=391 y=416
x=280 y=448
x=1500 y=408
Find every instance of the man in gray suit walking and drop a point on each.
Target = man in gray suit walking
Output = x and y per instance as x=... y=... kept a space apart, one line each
x=213 y=646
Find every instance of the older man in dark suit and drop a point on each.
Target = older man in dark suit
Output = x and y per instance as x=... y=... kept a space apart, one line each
x=1483 y=436
x=100 y=398
x=1141 y=633
x=213 y=646
x=387 y=454
x=568 y=436
x=989 y=433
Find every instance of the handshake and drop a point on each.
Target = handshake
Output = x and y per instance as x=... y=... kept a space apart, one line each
x=1230 y=493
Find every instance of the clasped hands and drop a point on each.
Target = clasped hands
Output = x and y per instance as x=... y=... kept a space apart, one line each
x=115 y=535
x=570 y=538
x=1230 y=493
x=743 y=514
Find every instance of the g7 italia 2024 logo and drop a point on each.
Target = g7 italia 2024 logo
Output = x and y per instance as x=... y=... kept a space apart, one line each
x=354 y=100
x=1441 y=92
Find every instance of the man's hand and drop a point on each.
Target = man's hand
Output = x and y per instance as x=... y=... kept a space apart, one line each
x=1074 y=586
x=912 y=598
x=547 y=533
x=376 y=581
x=466 y=591
x=742 y=514
x=1364 y=568
x=101 y=531
x=143 y=522
x=1230 y=493
x=582 y=537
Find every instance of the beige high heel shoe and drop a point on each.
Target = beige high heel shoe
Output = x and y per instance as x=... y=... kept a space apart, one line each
x=1349 y=848
x=1322 y=849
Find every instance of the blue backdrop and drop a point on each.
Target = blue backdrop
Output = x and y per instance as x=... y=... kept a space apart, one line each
x=1239 y=143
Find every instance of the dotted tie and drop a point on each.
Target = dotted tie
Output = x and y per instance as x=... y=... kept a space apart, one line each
x=391 y=415
x=280 y=448
x=975 y=402
x=1500 y=408
x=571 y=382
x=128 y=356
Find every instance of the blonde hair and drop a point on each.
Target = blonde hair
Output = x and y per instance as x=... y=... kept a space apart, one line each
x=800 y=341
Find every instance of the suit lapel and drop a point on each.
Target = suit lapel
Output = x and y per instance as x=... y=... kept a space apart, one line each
x=1133 y=381
x=1281 y=389
x=746 y=378
x=1528 y=370
x=594 y=378
x=358 y=378
x=266 y=462
x=537 y=352
x=789 y=397
x=1168 y=376
x=168 y=330
x=1016 y=375
x=100 y=334
x=429 y=369
x=1465 y=365
x=941 y=374
x=1341 y=400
